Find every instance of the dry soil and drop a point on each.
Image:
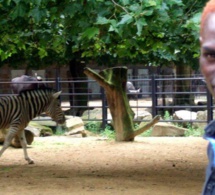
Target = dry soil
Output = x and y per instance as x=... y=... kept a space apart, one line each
x=68 y=165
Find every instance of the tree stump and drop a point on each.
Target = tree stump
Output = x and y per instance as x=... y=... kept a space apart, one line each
x=114 y=80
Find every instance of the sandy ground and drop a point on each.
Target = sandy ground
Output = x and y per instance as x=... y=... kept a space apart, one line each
x=68 y=165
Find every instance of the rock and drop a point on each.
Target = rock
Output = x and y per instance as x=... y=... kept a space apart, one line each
x=166 y=129
x=96 y=113
x=46 y=132
x=143 y=115
x=2 y=135
x=184 y=115
x=75 y=126
x=15 y=141
x=29 y=138
x=74 y=122
x=78 y=130
x=201 y=115
x=92 y=114
x=39 y=130
x=34 y=130
x=45 y=121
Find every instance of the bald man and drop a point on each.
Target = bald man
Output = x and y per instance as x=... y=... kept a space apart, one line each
x=207 y=65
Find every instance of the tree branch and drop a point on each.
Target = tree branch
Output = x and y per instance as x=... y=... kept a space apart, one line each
x=120 y=7
x=94 y=75
x=141 y=129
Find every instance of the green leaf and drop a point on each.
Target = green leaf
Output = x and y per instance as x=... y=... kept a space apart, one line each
x=160 y=35
x=125 y=2
x=154 y=28
x=19 y=11
x=90 y=33
x=37 y=14
x=102 y=20
x=37 y=2
x=147 y=12
x=140 y=23
x=113 y=26
x=150 y=3
x=174 y=2
x=21 y=45
x=134 y=7
x=71 y=9
x=126 y=19
x=194 y=22
x=42 y=52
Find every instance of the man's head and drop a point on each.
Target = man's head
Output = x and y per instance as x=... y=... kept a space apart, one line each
x=209 y=8
x=207 y=41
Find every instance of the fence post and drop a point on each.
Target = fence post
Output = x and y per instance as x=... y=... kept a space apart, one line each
x=104 y=108
x=209 y=107
x=154 y=96
x=58 y=85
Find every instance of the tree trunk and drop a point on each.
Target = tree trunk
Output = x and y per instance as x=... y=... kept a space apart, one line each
x=79 y=101
x=113 y=80
x=183 y=86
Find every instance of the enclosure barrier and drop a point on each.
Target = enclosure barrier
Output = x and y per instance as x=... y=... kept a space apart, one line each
x=159 y=92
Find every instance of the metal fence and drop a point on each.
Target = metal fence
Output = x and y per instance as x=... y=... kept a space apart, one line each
x=157 y=96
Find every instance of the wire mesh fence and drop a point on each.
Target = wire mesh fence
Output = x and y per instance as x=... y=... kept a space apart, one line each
x=156 y=95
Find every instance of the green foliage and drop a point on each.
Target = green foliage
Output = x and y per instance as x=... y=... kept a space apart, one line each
x=59 y=130
x=147 y=133
x=136 y=125
x=93 y=126
x=190 y=132
x=108 y=132
x=167 y=115
x=193 y=131
x=147 y=31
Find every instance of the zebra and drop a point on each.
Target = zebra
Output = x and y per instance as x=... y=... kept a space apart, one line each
x=18 y=110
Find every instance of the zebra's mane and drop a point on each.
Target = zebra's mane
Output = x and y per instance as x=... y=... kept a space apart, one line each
x=46 y=89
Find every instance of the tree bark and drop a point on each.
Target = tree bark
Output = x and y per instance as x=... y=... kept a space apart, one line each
x=80 y=101
x=183 y=86
x=113 y=80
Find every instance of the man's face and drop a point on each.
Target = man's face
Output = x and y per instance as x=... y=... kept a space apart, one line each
x=207 y=58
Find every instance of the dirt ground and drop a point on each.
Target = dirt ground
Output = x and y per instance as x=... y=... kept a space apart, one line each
x=68 y=165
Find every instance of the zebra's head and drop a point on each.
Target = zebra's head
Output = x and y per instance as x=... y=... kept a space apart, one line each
x=54 y=109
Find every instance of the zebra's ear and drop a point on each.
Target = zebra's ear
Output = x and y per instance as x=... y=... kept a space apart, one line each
x=56 y=95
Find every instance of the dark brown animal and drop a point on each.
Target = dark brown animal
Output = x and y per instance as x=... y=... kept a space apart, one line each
x=25 y=82
x=131 y=91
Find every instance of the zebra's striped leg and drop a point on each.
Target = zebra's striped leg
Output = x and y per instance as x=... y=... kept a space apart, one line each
x=10 y=135
x=23 y=143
